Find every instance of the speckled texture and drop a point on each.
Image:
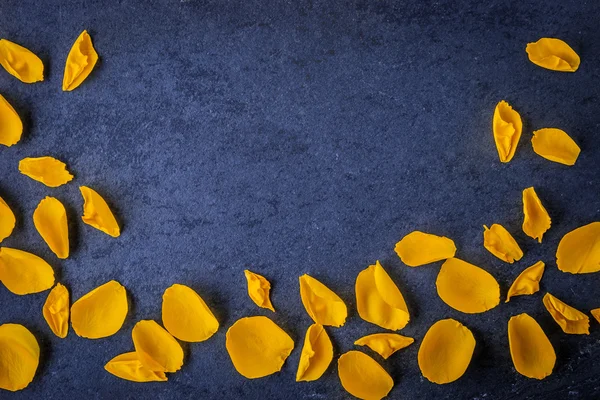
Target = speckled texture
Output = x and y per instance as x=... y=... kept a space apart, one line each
x=301 y=137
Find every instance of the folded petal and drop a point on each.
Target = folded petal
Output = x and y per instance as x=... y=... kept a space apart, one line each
x=498 y=241
x=80 y=62
x=507 y=127
x=56 y=310
x=101 y=312
x=555 y=145
x=50 y=220
x=11 y=126
x=321 y=303
x=128 y=366
x=186 y=316
x=316 y=355
x=7 y=220
x=418 y=248
x=536 y=219
x=579 y=250
x=532 y=353
x=24 y=273
x=19 y=357
x=258 y=290
x=363 y=377
x=385 y=344
x=528 y=281
x=379 y=300
x=553 y=54
x=96 y=212
x=21 y=62
x=568 y=318
x=50 y=171
x=156 y=349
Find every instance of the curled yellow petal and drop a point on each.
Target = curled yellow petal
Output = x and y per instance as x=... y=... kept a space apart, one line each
x=50 y=220
x=316 y=356
x=596 y=314
x=568 y=318
x=579 y=250
x=321 y=303
x=419 y=248
x=257 y=346
x=156 y=349
x=385 y=344
x=128 y=366
x=553 y=54
x=363 y=377
x=19 y=357
x=258 y=290
x=96 y=212
x=56 y=310
x=466 y=287
x=507 y=127
x=379 y=300
x=498 y=241
x=80 y=62
x=101 y=312
x=20 y=62
x=532 y=353
x=186 y=316
x=528 y=281
x=7 y=220
x=24 y=273
x=50 y=171
x=536 y=219
x=11 y=126
x=446 y=351
x=555 y=145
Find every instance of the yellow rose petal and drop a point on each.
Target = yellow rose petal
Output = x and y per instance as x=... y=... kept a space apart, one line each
x=568 y=318
x=186 y=316
x=418 y=248
x=363 y=377
x=379 y=300
x=7 y=220
x=19 y=357
x=528 y=281
x=80 y=62
x=498 y=241
x=101 y=312
x=579 y=250
x=536 y=219
x=316 y=356
x=50 y=220
x=532 y=353
x=96 y=212
x=21 y=62
x=555 y=145
x=157 y=350
x=257 y=346
x=553 y=54
x=466 y=287
x=507 y=127
x=56 y=310
x=596 y=314
x=446 y=351
x=50 y=171
x=128 y=366
x=11 y=126
x=24 y=273
x=385 y=344
x=258 y=290
x=321 y=303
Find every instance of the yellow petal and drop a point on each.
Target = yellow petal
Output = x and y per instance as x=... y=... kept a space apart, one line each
x=7 y=220
x=379 y=300
x=466 y=287
x=101 y=312
x=385 y=344
x=596 y=314
x=24 y=273
x=553 y=54
x=257 y=346
x=528 y=281
x=96 y=212
x=258 y=290
x=128 y=366
x=498 y=241
x=418 y=248
x=568 y=318
x=50 y=171
x=321 y=303
x=21 y=62
x=316 y=356
x=50 y=220
x=531 y=352
x=507 y=127
x=19 y=357
x=363 y=377
x=56 y=310
x=80 y=62
x=555 y=145
x=446 y=351
x=186 y=316
x=156 y=348
x=536 y=221
x=11 y=127
x=579 y=250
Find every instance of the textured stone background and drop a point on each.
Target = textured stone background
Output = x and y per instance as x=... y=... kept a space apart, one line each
x=301 y=137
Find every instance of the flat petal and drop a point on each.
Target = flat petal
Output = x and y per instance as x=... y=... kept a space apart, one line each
x=555 y=145
x=80 y=62
x=157 y=350
x=568 y=318
x=258 y=290
x=379 y=300
x=528 y=281
x=21 y=62
x=257 y=346
x=418 y=248
x=498 y=241
x=363 y=377
x=128 y=366
x=50 y=220
x=186 y=316
x=536 y=219
x=316 y=355
x=596 y=314
x=50 y=171
x=385 y=344
x=579 y=250
x=101 y=312
x=56 y=310
x=11 y=126
x=19 y=357
x=553 y=54
x=321 y=303
x=507 y=127
x=532 y=353
x=466 y=287
x=96 y=212
x=7 y=220
x=24 y=273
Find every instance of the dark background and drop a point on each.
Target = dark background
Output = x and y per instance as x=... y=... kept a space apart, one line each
x=301 y=137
